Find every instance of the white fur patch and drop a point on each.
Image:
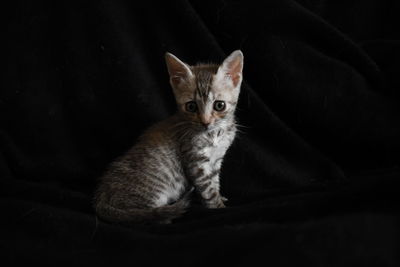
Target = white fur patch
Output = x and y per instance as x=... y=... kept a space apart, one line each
x=173 y=193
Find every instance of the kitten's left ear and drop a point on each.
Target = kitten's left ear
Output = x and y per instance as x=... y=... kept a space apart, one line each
x=233 y=67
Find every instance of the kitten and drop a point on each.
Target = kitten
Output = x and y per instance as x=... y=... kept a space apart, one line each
x=153 y=180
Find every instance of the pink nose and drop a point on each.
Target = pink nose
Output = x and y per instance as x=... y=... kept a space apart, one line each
x=206 y=121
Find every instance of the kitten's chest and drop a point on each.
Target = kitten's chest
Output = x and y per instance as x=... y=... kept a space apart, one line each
x=213 y=145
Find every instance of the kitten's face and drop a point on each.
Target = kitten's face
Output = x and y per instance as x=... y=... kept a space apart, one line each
x=206 y=94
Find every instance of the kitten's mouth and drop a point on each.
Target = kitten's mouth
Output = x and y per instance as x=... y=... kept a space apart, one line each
x=208 y=127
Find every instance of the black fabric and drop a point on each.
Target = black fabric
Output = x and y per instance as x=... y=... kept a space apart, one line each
x=312 y=178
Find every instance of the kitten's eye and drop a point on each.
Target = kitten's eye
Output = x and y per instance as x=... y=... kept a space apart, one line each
x=191 y=106
x=219 y=105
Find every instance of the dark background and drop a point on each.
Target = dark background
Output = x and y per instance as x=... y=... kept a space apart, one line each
x=312 y=178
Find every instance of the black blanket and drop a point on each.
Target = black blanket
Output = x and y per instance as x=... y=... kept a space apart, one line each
x=312 y=178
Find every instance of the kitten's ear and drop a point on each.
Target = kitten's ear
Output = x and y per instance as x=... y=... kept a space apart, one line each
x=178 y=71
x=233 y=67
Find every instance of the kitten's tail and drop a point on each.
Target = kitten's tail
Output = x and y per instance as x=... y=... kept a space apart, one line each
x=163 y=214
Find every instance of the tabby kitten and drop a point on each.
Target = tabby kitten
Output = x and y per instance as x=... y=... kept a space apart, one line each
x=153 y=180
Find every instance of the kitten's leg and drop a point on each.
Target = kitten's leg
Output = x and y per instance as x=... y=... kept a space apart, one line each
x=206 y=183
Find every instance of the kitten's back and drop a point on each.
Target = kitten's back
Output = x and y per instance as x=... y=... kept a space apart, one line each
x=141 y=185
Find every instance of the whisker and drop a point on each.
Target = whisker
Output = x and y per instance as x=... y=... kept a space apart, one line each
x=240 y=131
x=242 y=126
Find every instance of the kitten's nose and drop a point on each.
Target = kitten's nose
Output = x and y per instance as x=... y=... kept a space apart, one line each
x=206 y=124
x=205 y=121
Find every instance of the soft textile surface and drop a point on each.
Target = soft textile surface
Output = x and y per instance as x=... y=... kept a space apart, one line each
x=312 y=178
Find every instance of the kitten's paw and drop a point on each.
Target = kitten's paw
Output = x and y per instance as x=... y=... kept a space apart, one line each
x=219 y=205
x=224 y=199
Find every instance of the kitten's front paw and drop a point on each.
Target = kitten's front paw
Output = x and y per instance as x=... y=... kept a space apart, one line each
x=221 y=205
x=216 y=205
x=224 y=199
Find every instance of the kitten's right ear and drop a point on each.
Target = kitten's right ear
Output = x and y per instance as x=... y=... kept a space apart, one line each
x=178 y=71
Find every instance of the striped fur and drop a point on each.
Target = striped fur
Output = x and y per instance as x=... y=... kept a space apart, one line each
x=152 y=182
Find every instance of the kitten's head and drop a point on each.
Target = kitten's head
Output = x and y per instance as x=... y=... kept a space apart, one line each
x=206 y=94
